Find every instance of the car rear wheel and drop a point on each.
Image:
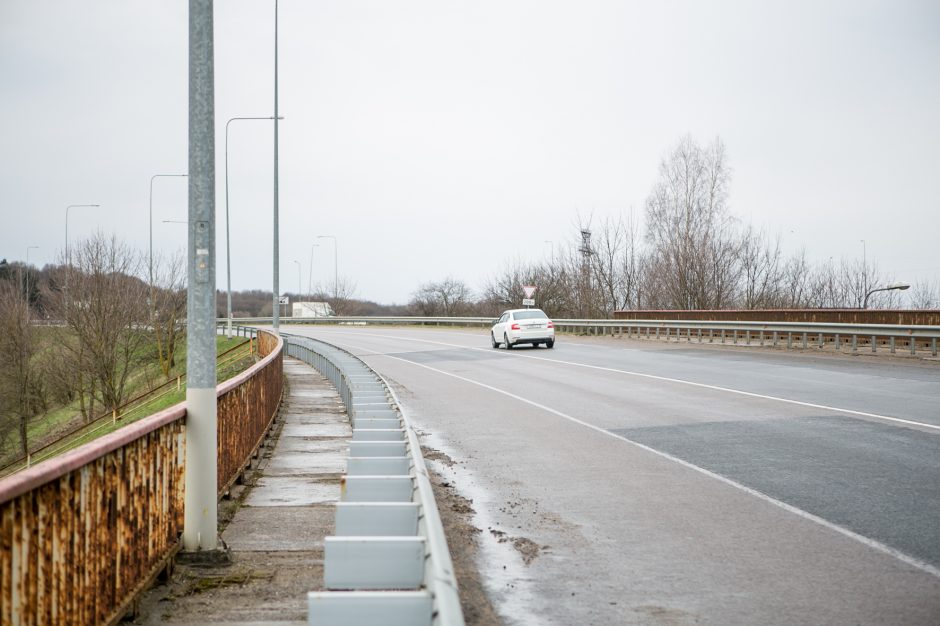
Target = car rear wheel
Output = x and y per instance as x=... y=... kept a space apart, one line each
x=550 y=344
x=493 y=339
x=506 y=341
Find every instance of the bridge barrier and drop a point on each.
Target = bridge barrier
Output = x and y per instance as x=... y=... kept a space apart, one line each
x=388 y=562
x=84 y=533
x=913 y=338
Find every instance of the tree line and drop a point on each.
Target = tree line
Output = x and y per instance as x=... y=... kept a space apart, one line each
x=689 y=252
x=81 y=330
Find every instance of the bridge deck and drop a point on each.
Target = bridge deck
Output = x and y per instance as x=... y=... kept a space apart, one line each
x=280 y=519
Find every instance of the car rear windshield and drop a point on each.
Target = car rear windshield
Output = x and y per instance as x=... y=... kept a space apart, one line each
x=529 y=315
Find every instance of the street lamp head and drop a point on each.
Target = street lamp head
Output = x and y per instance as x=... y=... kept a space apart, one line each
x=899 y=286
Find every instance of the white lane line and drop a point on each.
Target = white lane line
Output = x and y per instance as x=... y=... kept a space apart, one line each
x=679 y=381
x=871 y=543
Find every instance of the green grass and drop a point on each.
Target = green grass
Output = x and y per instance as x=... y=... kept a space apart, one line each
x=42 y=428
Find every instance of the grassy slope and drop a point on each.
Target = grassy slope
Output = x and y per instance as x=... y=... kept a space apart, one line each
x=49 y=426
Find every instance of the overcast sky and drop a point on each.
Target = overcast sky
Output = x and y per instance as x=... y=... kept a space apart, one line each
x=446 y=138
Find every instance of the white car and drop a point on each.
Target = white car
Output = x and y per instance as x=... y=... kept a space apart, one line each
x=523 y=326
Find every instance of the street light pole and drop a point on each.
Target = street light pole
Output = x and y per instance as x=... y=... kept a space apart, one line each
x=310 y=273
x=151 y=215
x=276 y=313
x=200 y=506
x=896 y=286
x=299 y=278
x=335 y=267
x=68 y=258
x=228 y=249
x=864 y=268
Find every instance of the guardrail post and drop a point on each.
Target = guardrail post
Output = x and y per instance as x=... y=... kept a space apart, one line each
x=747 y=337
x=775 y=337
x=933 y=346
x=838 y=344
x=913 y=346
x=821 y=345
x=789 y=341
x=874 y=344
x=805 y=340
x=891 y=343
x=854 y=344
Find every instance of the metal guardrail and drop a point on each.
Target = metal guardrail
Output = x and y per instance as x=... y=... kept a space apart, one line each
x=389 y=535
x=805 y=335
x=84 y=533
x=793 y=334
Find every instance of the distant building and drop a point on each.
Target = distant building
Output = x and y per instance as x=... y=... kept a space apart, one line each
x=312 y=309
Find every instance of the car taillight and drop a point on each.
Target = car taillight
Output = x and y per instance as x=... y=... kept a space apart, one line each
x=551 y=324
x=514 y=327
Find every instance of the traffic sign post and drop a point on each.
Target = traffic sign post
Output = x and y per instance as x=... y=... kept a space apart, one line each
x=529 y=291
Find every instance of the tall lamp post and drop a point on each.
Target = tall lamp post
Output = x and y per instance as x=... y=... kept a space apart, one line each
x=276 y=313
x=864 y=270
x=310 y=273
x=155 y=176
x=896 y=286
x=68 y=258
x=228 y=249
x=200 y=504
x=335 y=270
x=299 y=278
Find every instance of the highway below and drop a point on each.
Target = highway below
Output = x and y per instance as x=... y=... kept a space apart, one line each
x=646 y=483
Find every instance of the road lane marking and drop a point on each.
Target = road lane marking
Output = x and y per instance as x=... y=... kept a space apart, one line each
x=867 y=541
x=751 y=394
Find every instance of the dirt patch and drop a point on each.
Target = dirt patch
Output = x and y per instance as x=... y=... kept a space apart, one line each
x=463 y=540
x=526 y=548
x=440 y=457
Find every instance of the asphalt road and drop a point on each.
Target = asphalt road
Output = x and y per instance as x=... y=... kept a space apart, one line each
x=674 y=484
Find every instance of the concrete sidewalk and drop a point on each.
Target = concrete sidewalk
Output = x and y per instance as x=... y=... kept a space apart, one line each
x=276 y=535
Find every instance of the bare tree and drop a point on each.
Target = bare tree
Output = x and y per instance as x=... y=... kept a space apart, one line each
x=16 y=353
x=168 y=308
x=449 y=297
x=690 y=229
x=761 y=270
x=925 y=295
x=104 y=310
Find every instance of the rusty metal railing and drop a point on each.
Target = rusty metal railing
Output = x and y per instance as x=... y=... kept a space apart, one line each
x=81 y=535
x=109 y=418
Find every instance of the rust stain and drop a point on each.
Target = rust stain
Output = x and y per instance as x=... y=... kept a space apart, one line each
x=78 y=547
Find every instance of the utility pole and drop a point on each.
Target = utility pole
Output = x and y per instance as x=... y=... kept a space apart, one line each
x=200 y=516
x=586 y=252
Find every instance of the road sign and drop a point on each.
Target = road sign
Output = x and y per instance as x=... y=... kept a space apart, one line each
x=528 y=302
x=529 y=291
x=283 y=300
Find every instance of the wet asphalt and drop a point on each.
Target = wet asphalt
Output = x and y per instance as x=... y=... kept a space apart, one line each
x=678 y=484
